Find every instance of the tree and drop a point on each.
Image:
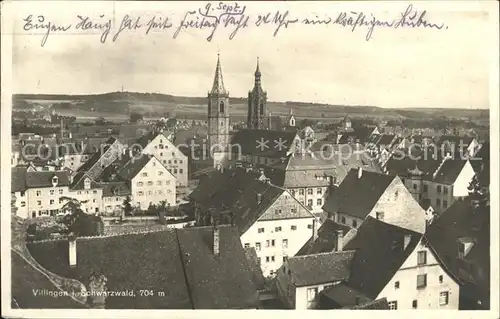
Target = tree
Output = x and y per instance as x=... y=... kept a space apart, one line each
x=172 y=122
x=127 y=207
x=135 y=117
x=78 y=222
x=478 y=194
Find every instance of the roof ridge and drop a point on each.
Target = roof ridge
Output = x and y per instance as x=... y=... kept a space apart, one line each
x=325 y=253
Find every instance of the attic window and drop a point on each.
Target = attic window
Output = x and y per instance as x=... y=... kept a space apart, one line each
x=55 y=180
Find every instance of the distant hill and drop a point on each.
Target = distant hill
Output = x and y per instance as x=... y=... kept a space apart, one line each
x=155 y=104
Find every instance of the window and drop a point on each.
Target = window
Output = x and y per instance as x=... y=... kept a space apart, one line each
x=257 y=246
x=23 y=204
x=271 y=272
x=425 y=188
x=150 y=193
x=301 y=191
x=342 y=220
x=443 y=298
x=285 y=258
x=396 y=285
x=309 y=226
x=259 y=260
x=273 y=243
x=139 y=184
x=439 y=189
x=441 y=279
x=380 y=215
x=309 y=202
x=354 y=223
x=260 y=230
x=181 y=171
x=267 y=243
x=267 y=259
x=180 y=161
x=144 y=174
x=285 y=243
x=140 y=193
x=422 y=258
x=319 y=191
x=161 y=154
x=277 y=229
x=51 y=192
x=393 y=305
x=445 y=203
x=150 y=183
x=170 y=161
x=175 y=170
x=247 y=245
x=421 y=281
x=310 y=191
x=22 y=193
x=414 y=186
x=60 y=200
x=445 y=190
x=221 y=107
x=272 y=258
x=39 y=202
x=175 y=161
x=97 y=209
x=158 y=183
x=173 y=154
x=414 y=304
x=438 y=202
x=311 y=296
x=51 y=202
x=293 y=192
x=319 y=201
x=293 y=227
x=38 y=193
x=160 y=173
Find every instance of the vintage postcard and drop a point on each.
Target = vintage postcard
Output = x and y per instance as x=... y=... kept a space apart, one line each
x=280 y=155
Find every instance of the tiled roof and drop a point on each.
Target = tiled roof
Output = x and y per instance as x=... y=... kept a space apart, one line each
x=385 y=139
x=361 y=133
x=253 y=263
x=237 y=190
x=26 y=280
x=115 y=189
x=145 y=139
x=326 y=240
x=346 y=198
x=320 y=268
x=402 y=166
x=18 y=179
x=379 y=250
x=379 y=304
x=344 y=296
x=134 y=166
x=217 y=282
x=79 y=181
x=249 y=142
x=44 y=179
x=178 y=262
x=460 y=221
x=448 y=172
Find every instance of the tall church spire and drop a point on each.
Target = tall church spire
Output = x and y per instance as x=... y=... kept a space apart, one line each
x=257 y=71
x=218 y=86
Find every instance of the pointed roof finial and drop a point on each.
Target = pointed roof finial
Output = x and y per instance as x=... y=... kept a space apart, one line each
x=257 y=70
x=291 y=111
x=218 y=85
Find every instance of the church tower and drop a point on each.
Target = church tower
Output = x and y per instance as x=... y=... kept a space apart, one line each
x=218 y=113
x=257 y=104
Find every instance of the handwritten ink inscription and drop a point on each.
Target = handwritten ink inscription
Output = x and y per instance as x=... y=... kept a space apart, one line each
x=231 y=17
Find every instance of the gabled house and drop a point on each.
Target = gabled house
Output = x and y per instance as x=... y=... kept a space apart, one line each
x=461 y=237
x=192 y=268
x=159 y=145
x=384 y=197
x=106 y=155
x=381 y=261
x=114 y=195
x=88 y=192
x=330 y=237
x=268 y=217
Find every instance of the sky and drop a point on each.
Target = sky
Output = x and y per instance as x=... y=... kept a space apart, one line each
x=324 y=64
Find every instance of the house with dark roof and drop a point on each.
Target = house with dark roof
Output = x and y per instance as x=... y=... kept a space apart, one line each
x=267 y=216
x=381 y=261
x=38 y=192
x=88 y=192
x=432 y=181
x=157 y=143
x=192 y=268
x=466 y=145
x=114 y=195
x=461 y=237
x=106 y=155
x=330 y=237
x=385 y=197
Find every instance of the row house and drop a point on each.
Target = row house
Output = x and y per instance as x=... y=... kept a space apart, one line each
x=159 y=145
x=88 y=192
x=268 y=218
x=148 y=180
x=382 y=261
x=384 y=197
x=114 y=195
x=38 y=193
x=433 y=182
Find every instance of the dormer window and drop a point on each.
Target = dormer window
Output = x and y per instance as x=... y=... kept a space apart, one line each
x=87 y=183
x=55 y=180
x=465 y=245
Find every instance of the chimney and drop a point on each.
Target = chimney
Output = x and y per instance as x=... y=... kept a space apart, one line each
x=315 y=230
x=340 y=239
x=72 y=251
x=406 y=241
x=81 y=146
x=360 y=172
x=216 y=241
x=259 y=198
